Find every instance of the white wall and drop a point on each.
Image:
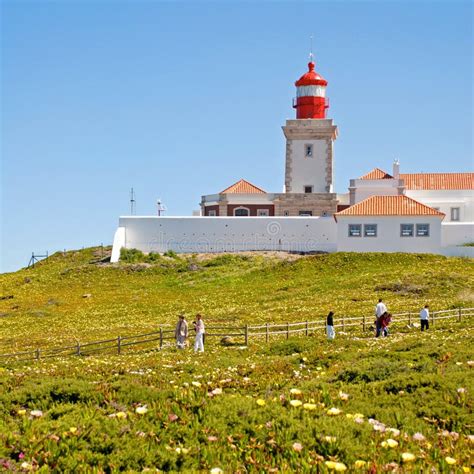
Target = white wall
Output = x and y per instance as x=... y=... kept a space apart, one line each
x=365 y=188
x=227 y=234
x=388 y=235
x=446 y=199
x=457 y=233
x=308 y=171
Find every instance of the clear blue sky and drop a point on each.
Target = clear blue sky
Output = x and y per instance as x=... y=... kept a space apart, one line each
x=183 y=99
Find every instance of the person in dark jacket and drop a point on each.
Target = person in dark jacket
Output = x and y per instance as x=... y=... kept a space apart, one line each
x=331 y=334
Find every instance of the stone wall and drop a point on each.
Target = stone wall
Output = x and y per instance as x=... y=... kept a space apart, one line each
x=318 y=203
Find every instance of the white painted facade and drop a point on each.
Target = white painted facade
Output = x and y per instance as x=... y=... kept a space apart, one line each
x=457 y=233
x=224 y=234
x=361 y=189
x=309 y=170
x=446 y=200
x=388 y=238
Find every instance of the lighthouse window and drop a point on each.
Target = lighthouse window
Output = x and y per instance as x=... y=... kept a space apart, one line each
x=308 y=189
x=309 y=150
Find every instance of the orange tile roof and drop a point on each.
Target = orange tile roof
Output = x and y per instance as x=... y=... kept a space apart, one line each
x=389 y=206
x=438 y=180
x=376 y=173
x=243 y=187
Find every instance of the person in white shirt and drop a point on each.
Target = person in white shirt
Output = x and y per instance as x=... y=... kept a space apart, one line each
x=424 y=318
x=380 y=310
x=199 y=327
x=181 y=332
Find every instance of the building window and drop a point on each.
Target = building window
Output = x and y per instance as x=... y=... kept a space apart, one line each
x=455 y=214
x=286 y=213
x=422 y=230
x=263 y=212
x=305 y=213
x=211 y=213
x=370 y=230
x=406 y=230
x=308 y=151
x=241 y=211
x=355 y=230
x=308 y=189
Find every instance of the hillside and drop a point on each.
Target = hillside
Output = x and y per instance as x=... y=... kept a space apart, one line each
x=75 y=296
x=355 y=404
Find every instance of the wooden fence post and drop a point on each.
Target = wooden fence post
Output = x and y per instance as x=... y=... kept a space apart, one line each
x=119 y=345
x=363 y=323
x=78 y=349
x=161 y=338
x=246 y=335
x=460 y=314
x=409 y=319
x=287 y=330
x=307 y=329
x=433 y=318
x=37 y=354
x=266 y=332
x=343 y=323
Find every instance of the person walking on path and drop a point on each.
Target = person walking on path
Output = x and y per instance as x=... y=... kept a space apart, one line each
x=331 y=334
x=200 y=330
x=424 y=318
x=385 y=320
x=380 y=310
x=181 y=332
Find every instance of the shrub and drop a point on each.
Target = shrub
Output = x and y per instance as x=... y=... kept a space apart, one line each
x=131 y=255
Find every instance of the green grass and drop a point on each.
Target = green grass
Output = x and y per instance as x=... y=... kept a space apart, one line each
x=364 y=400
x=45 y=304
x=410 y=383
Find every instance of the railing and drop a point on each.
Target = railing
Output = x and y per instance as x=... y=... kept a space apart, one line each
x=117 y=345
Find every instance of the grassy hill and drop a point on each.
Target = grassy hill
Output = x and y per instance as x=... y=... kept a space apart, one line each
x=360 y=404
x=74 y=296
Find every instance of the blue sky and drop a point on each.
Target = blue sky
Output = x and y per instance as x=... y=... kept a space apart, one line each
x=183 y=99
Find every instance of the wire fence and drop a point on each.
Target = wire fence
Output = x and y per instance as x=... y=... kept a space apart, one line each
x=159 y=339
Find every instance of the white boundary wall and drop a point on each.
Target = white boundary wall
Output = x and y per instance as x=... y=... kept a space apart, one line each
x=224 y=234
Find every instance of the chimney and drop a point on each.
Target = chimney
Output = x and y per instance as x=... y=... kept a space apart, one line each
x=396 y=169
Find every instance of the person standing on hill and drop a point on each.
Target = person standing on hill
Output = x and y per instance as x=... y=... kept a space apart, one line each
x=331 y=334
x=380 y=310
x=181 y=332
x=424 y=318
x=199 y=328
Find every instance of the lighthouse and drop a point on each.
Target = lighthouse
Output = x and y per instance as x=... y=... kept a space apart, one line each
x=311 y=101
x=310 y=138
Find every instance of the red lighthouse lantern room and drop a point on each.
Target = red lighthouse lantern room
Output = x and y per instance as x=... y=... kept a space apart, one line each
x=311 y=101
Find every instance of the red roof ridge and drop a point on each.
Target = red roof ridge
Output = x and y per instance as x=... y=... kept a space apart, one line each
x=377 y=173
x=243 y=187
x=399 y=205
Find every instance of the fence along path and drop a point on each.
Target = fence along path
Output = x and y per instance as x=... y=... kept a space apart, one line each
x=118 y=344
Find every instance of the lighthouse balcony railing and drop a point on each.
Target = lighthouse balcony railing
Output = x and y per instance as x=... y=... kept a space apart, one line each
x=326 y=102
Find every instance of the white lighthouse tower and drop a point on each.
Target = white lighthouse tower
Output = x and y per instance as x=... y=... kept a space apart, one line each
x=310 y=138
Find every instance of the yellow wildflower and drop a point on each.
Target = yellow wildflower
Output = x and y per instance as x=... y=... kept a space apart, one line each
x=260 y=402
x=408 y=457
x=450 y=460
x=296 y=403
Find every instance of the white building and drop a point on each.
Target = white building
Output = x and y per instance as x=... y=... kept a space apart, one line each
x=381 y=213
x=394 y=223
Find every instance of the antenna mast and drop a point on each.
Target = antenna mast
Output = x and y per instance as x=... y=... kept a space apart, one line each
x=311 y=56
x=132 y=202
